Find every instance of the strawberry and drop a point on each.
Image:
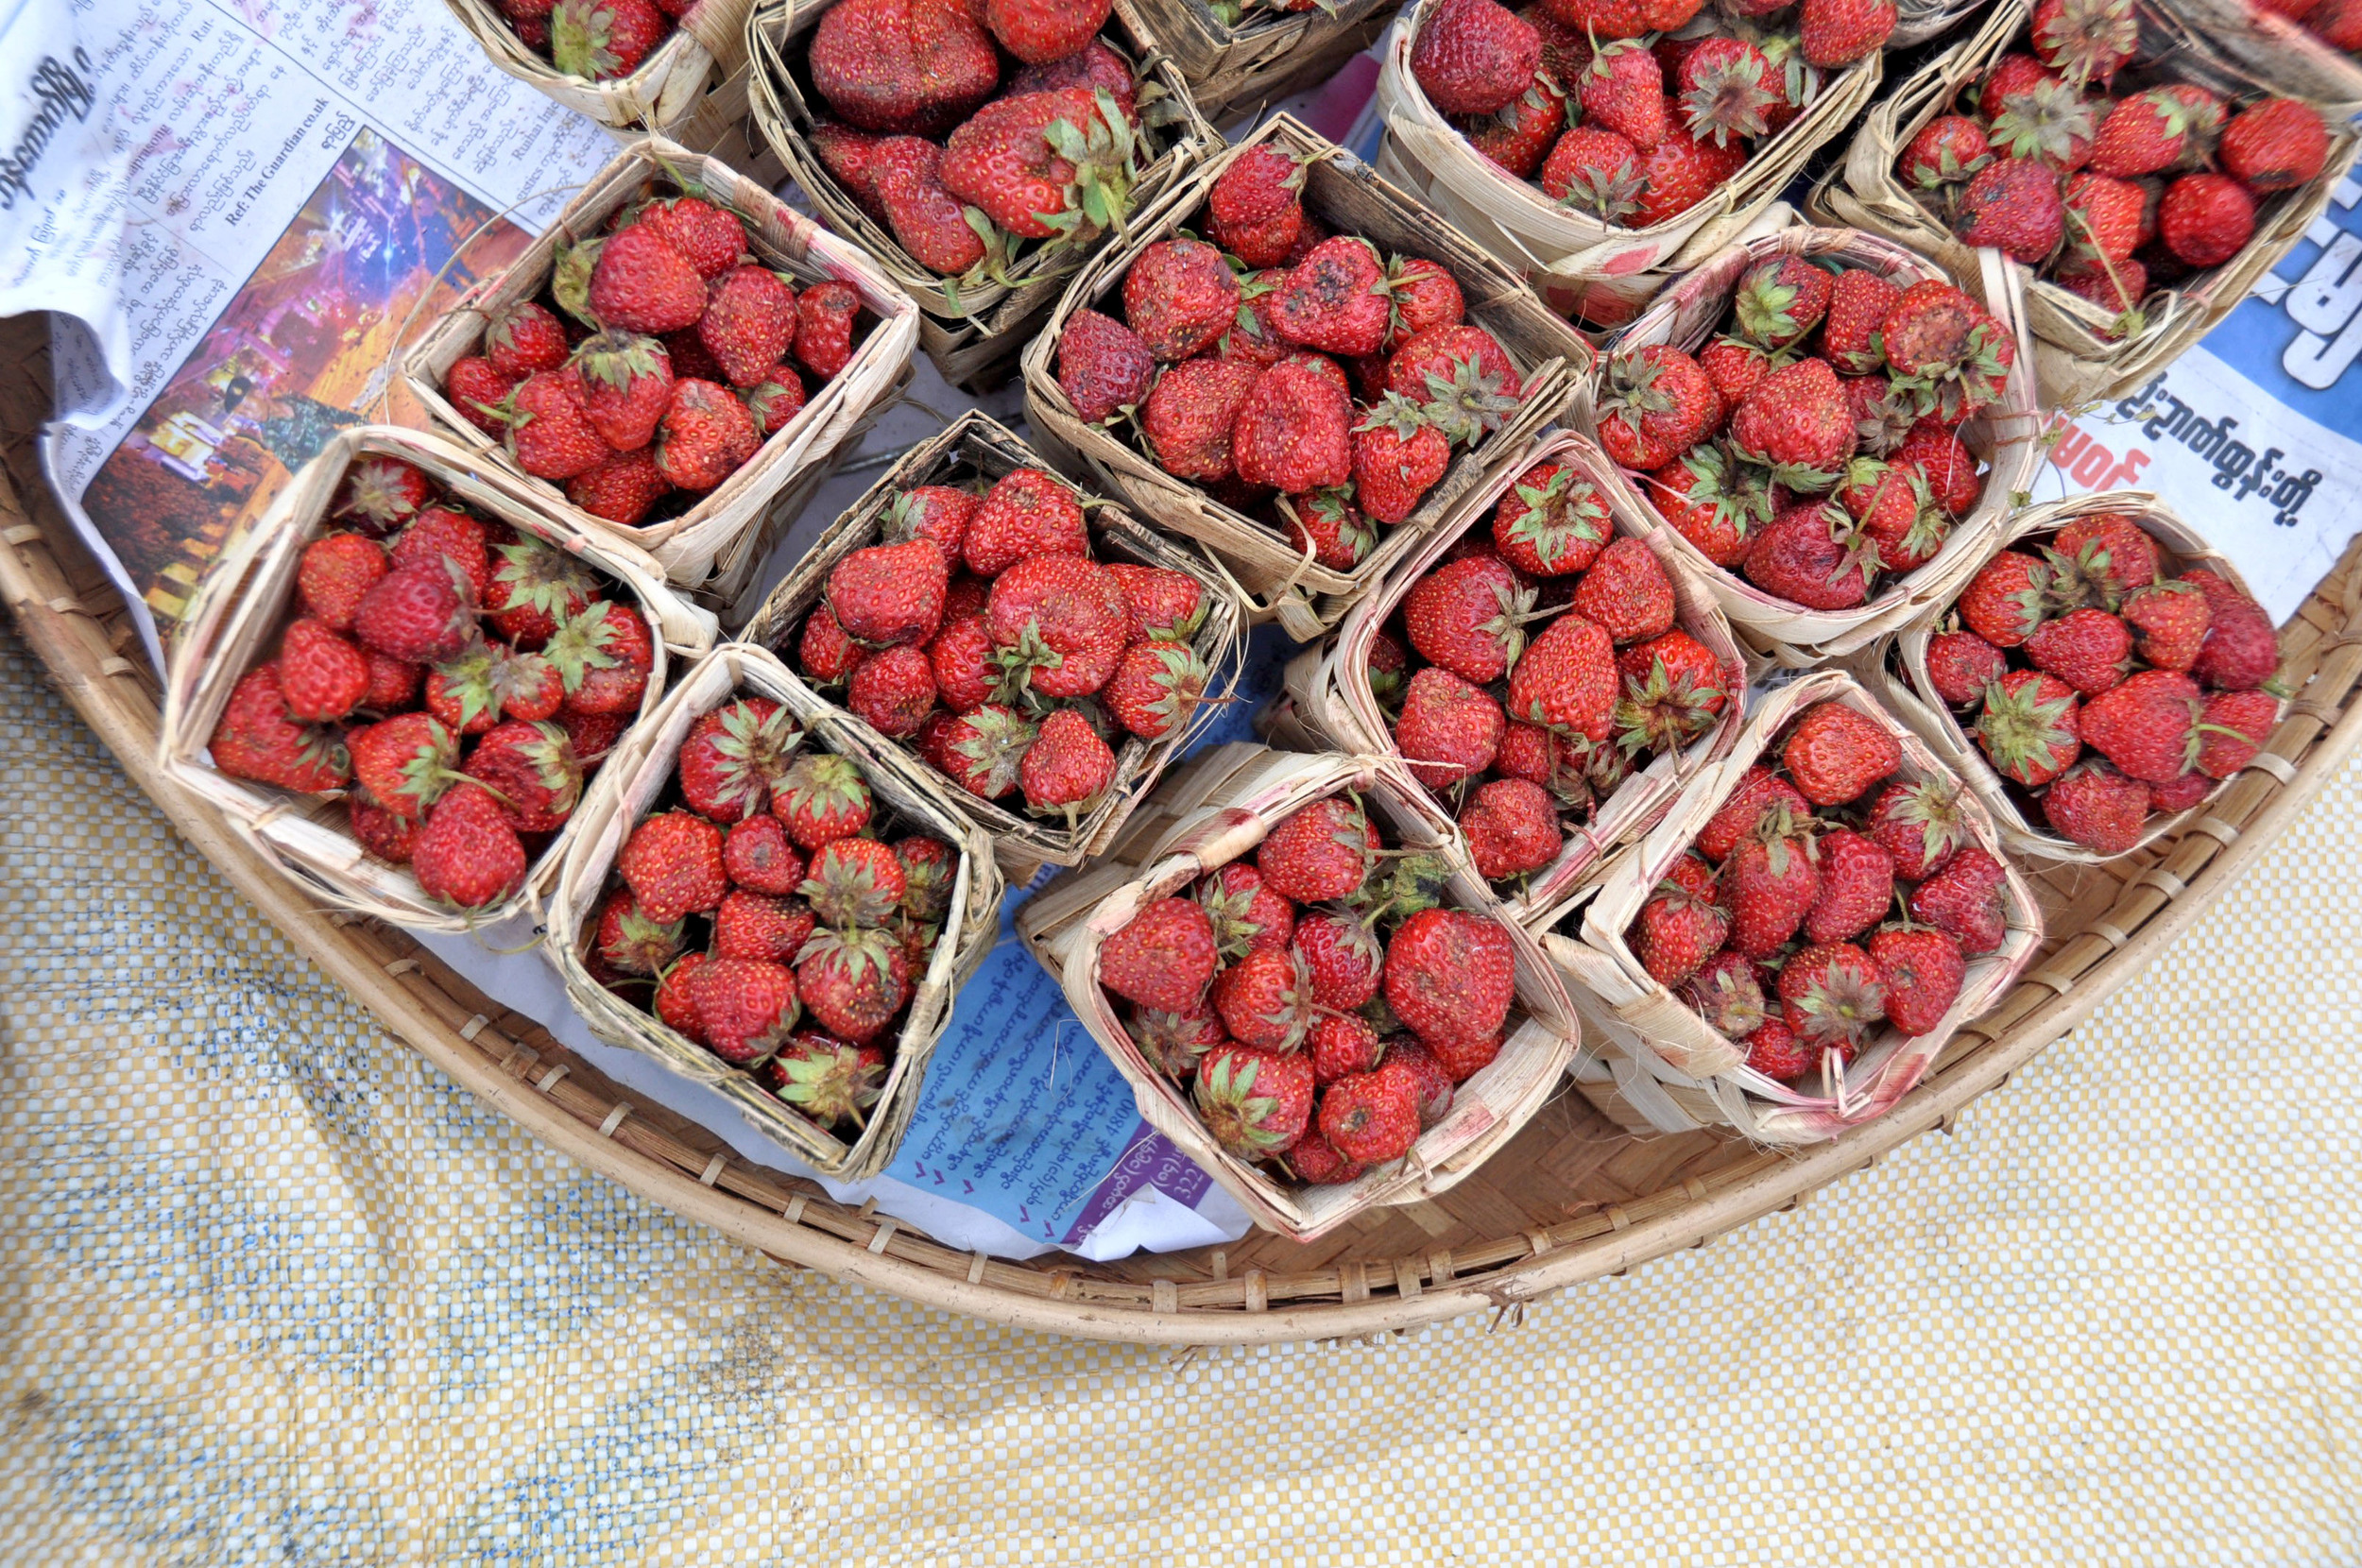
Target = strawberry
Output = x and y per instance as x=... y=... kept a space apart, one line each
x=1341 y=1046
x=1737 y=368
x=672 y=864
x=967 y=675
x=1769 y=883
x=2030 y=728
x=1673 y=687
x=854 y=982
x=1592 y=170
x=1254 y=210
x=1450 y=976
x=825 y=317
x=2109 y=554
x=439 y=534
x=1655 y=403
x=1856 y=885
x=824 y=652
x=382 y=833
x=892 y=690
x=549 y=432
x=671 y=1002
x=1344 y=957
x=522 y=338
x=1157 y=687
x=2205 y=219
x=1678 y=929
x=620 y=487
x=1627 y=592
x=705 y=435
x=1949 y=467
x=1037 y=32
x=749 y=322
x=712 y=237
x=467 y=855
x=335 y=571
x=2171 y=620
x=916 y=66
x=1179 y=296
x=1839 y=32
x=1318 y=852
x=821 y=798
x=1163 y=957
x=1187 y=412
x=2233 y=727
x=829 y=1081
x=1623 y=90
x=533 y=587
x=746 y=1006
x=733 y=755
x=1293 y=432
x=2013 y=205
x=2086 y=648
x=1103 y=365
x=2095 y=806
x=1518 y=136
x=1832 y=996
x=1245 y=913
x=602 y=39
x=2242 y=649
x=757 y=856
x=1814 y=556
x=1045 y=166
x=1470 y=615
x=1706 y=497
x=2107 y=219
x=1415 y=1061
x=1679 y=173
x=982 y=751
x=2047 y=120
x=1027 y=512
x=1174 y=1043
x=1894 y=511
x=634 y=281
x=423 y=614
x=2142 y=134
x=478 y=391
x=1947 y=151
x=1798 y=423
x=1254 y=1103
x=1728 y=90
x=1335 y=300
x=1725 y=993
x=1921 y=971
x=1399 y=456
x=1945 y=351
x=1473 y=57
x=1778 y=301
x=2143 y=725
x=1921 y=825
x=257 y=738
x=1858 y=304
x=1461 y=1058
x=854 y=881
x=1265 y=999
x=757 y=926
x=489 y=681
x=1448 y=730
x=393 y=683
x=1964 y=899
x=1836 y=753
x=624 y=383
x=1568 y=679
x=1775 y=1050
x=1371 y=1117
x=1884 y=416
x=1061 y=620
x=905 y=189
x=1960 y=665
x=1552 y=523
x=887 y=594
x=1512 y=828
x=2006 y=599
x=1067 y=768
x=690 y=358
x=2084 y=40
x=938 y=514
x=1463 y=375
x=605 y=656
x=2276 y=144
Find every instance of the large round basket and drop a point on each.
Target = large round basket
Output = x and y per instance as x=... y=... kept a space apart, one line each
x=1573 y=1197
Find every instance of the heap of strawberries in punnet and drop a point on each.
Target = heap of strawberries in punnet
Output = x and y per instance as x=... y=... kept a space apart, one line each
x=1306 y=380
x=1633 y=111
x=2111 y=188
x=2083 y=641
x=458 y=678
x=659 y=359
x=981 y=631
x=1316 y=1003
x=1773 y=926
x=596 y=40
x=967 y=130
x=763 y=890
x=1814 y=446
x=1529 y=673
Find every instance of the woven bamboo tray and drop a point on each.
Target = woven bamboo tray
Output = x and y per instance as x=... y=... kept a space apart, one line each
x=1571 y=1200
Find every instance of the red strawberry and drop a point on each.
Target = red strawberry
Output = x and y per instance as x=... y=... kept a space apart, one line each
x=2171 y=619
x=1450 y=977
x=439 y=534
x=620 y=487
x=257 y=738
x=746 y=1006
x=478 y=391
x=2093 y=805
x=522 y=338
x=1187 y=412
x=467 y=855
x=1920 y=825
x=712 y=237
x=756 y=857
x=1945 y=351
x=1461 y=374
x=1254 y=1103
x=533 y=587
x=1725 y=993
x=1473 y=57
x=672 y=864
x=1568 y=679
x=1013 y=158
x=1946 y=151
x=888 y=594
x=1775 y=1050
x=549 y=433
x=1623 y=90
x=1781 y=300
x=1627 y=592
x=821 y=798
x=1422 y=295
x=1155 y=688
x=967 y=675
x=1470 y=615
x=1335 y=300
x=602 y=39
x=335 y=571
x=672 y=1001
x=2205 y=219
x=2084 y=40
x=1293 y=430
x=1894 y=511
x=1039 y=32
x=378 y=495
x=1265 y=999
x=1342 y=957
x=2011 y=75
x=1835 y=753
x=1371 y=1117
x=1797 y=422
x=1253 y=210
x=2143 y=725
x=2005 y=602
x=1461 y=1058
x=1758 y=793
x=2242 y=648
x=393 y=683
x=1067 y=768
x=1813 y=556
x=826 y=314
x=1552 y=523
x=1678 y=929
x=1174 y=1043
x=982 y=751
x=824 y=652
x=1512 y=828
x=1449 y=730
x=854 y=881
x=2233 y=727
x=2030 y=727
x=1679 y=173
x=2277 y=144
x=1707 y=498
x=902 y=65
x=1839 y=32
x=2047 y=120
x=1832 y=996
x=382 y=833
x=756 y=926
x=1859 y=305
x=2015 y=205
x=1655 y=403
x=634 y=281
x=1921 y=971
x=774 y=400
x=1407 y=1056
x=828 y=1080
x=1593 y=170
x=2104 y=555
x=605 y=655
x=1399 y=456
x=1960 y=665
x=733 y=755
x=1028 y=512
x=705 y=435
x=1060 y=619
x=1342 y=1045
x=904 y=188
x=1856 y=885
x=1179 y=296
x=1948 y=467
x=1673 y=687
x=1318 y=852
x=1964 y=899
x=2088 y=649
x=1163 y=959
x=1104 y=367
x=854 y=982
x=422 y=615
x=1729 y=90
x=749 y=322
x=1769 y=883
x=892 y=690
x=1246 y=915
x=1884 y=414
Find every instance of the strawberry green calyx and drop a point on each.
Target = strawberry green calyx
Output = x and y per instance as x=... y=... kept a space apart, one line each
x=845 y=893
x=1952 y=391
x=1469 y=403
x=2022 y=731
x=580 y=645
x=1730 y=99
x=1840 y=1004
x=2048 y=120
x=753 y=748
x=618 y=359
x=1765 y=307
x=1665 y=712
x=824 y=787
x=830 y=1083
x=993 y=748
x=532 y=576
x=1234 y=1113
x=1105 y=159
x=570 y=281
x=1562 y=515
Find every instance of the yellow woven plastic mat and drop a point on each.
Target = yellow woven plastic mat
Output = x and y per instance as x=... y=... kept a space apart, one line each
x=274 y=1292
